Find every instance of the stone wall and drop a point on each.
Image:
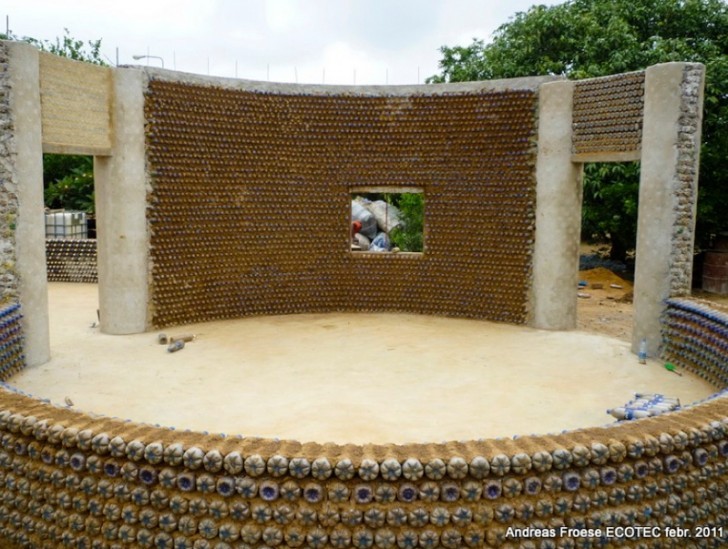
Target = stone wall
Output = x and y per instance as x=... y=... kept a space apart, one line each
x=250 y=205
x=8 y=183
x=71 y=260
x=12 y=358
x=685 y=181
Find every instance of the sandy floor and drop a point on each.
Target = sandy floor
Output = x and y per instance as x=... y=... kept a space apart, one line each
x=345 y=377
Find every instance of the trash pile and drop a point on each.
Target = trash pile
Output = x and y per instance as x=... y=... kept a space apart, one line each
x=371 y=224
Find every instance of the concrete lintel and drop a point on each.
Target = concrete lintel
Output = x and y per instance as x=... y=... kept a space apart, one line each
x=53 y=148
x=558 y=213
x=624 y=156
x=364 y=189
x=30 y=226
x=121 y=207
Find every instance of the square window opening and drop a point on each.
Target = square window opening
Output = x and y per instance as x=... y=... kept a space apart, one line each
x=387 y=220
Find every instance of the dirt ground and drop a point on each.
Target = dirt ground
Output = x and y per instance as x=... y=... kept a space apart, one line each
x=605 y=306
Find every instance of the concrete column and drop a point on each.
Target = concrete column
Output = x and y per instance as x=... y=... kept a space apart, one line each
x=121 y=211
x=558 y=213
x=668 y=194
x=30 y=225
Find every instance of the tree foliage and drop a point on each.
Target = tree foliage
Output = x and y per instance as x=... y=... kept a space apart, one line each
x=75 y=189
x=65 y=46
x=610 y=205
x=410 y=236
x=590 y=38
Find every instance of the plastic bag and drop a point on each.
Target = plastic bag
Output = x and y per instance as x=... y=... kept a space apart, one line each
x=362 y=241
x=366 y=218
x=381 y=243
x=388 y=217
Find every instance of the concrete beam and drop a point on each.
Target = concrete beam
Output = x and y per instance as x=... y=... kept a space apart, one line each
x=558 y=213
x=30 y=225
x=121 y=211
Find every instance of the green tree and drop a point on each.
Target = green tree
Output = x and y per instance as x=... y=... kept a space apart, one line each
x=65 y=46
x=67 y=179
x=410 y=236
x=610 y=205
x=590 y=38
x=75 y=189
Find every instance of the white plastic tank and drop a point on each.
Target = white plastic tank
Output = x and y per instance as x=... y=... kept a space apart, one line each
x=66 y=225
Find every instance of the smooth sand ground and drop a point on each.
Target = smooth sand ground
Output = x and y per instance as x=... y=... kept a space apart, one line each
x=378 y=378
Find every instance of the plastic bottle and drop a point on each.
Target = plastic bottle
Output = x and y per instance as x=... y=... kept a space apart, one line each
x=183 y=337
x=642 y=355
x=176 y=346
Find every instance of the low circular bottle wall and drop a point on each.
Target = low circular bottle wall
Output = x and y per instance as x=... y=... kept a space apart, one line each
x=12 y=358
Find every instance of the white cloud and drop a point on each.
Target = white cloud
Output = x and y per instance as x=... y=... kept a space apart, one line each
x=343 y=62
x=282 y=15
x=381 y=39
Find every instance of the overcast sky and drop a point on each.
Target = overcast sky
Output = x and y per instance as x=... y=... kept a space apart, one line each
x=309 y=41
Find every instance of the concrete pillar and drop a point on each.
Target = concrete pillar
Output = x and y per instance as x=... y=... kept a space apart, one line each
x=30 y=225
x=558 y=213
x=668 y=194
x=121 y=211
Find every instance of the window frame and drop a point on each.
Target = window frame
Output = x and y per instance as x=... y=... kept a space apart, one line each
x=360 y=190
